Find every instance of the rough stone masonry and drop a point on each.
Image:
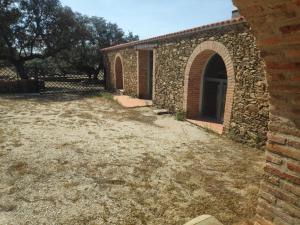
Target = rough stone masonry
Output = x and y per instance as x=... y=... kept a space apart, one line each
x=249 y=112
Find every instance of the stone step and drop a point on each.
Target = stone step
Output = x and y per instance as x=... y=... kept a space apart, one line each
x=120 y=92
x=161 y=111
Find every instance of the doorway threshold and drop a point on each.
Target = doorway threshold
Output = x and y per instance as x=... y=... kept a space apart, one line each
x=215 y=127
x=129 y=102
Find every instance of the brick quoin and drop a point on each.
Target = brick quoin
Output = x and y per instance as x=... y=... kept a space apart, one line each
x=293 y=167
x=193 y=77
x=276 y=25
x=273 y=159
x=277 y=172
x=279 y=193
x=290 y=28
x=291 y=189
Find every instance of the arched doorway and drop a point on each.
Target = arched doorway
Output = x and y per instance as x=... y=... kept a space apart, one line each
x=209 y=85
x=214 y=90
x=119 y=72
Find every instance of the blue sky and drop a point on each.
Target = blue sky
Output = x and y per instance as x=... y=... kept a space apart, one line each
x=149 y=18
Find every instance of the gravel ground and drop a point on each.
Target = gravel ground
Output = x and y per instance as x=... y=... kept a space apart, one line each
x=85 y=160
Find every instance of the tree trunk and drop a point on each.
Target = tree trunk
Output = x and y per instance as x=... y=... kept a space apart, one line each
x=21 y=70
x=96 y=73
x=95 y=76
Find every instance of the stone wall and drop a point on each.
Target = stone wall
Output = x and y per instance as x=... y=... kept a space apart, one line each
x=250 y=113
x=250 y=106
x=129 y=61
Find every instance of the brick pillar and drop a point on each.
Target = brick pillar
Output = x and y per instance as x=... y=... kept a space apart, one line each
x=143 y=74
x=195 y=78
x=276 y=24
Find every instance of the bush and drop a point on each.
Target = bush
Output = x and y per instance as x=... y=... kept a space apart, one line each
x=180 y=116
x=19 y=86
x=107 y=96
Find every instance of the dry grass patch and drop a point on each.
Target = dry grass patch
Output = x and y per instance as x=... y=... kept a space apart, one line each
x=86 y=160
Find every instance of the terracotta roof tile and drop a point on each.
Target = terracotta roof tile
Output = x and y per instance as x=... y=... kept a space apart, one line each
x=178 y=34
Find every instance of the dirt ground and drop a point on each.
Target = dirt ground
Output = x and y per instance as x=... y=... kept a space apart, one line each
x=85 y=160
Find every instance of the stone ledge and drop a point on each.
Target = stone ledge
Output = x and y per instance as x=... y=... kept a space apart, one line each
x=161 y=111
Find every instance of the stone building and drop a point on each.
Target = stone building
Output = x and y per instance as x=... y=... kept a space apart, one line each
x=275 y=24
x=214 y=74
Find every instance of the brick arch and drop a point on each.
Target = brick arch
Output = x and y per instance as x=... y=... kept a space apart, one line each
x=193 y=78
x=119 y=71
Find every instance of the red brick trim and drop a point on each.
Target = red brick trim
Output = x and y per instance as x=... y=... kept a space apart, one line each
x=118 y=56
x=154 y=74
x=137 y=73
x=193 y=76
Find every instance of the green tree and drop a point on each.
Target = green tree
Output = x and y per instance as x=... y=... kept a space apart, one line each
x=85 y=56
x=34 y=29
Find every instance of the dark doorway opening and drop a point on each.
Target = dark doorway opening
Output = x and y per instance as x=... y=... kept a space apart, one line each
x=119 y=73
x=214 y=90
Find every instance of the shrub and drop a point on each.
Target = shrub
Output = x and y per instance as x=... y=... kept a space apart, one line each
x=107 y=96
x=180 y=116
x=19 y=86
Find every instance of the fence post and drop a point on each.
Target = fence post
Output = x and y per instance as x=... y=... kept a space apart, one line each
x=104 y=78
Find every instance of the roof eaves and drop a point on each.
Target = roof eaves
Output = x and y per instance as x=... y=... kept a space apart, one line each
x=177 y=34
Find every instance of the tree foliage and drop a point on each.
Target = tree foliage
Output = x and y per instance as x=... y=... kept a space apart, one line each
x=85 y=54
x=31 y=29
x=44 y=29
